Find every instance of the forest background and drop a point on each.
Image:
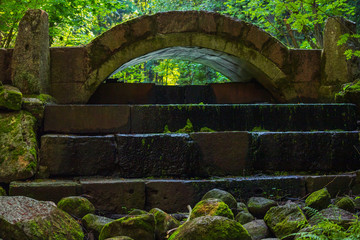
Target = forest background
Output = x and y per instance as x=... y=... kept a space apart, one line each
x=296 y=23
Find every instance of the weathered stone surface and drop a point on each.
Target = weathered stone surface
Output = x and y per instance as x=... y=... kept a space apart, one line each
x=10 y=98
x=76 y=119
x=137 y=212
x=258 y=206
x=336 y=215
x=346 y=203
x=335 y=184
x=284 y=220
x=222 y=153
x=66 y=155
x=319 y=199
x=211 y=228
x=115 y=195
x=76 y=206
x=120 y=238
x=163 y=223
x=211 y=207
x=45 y=190
x=257 y=229
x=137 y=227
x=94 y=223
x=304 y=151
x=244 y=217
x=224 y=196
x=155 y=155
x=18 y=146
x=306 y=65
x=31 y=57
x=26 y=218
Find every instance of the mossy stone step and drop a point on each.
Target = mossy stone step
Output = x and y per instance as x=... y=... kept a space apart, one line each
x=199 y=154
x=107 y=119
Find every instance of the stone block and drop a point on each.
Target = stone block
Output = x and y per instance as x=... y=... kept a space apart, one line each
x=168 y=94
x=156 y=155
x=177 y=22
x=69 y=93
x=304 y=151
x=207 y=22
x=31 y=57
x=141 y=27
x=66 y=155
x=277 y=53
x=306 y=65
x=74 y=60
x=199 y=94
x=337 y=185
x=115 y=195
x=233 y=27
x=87 y=119
x=257 y=37
x=45 y=190
x=222 y=153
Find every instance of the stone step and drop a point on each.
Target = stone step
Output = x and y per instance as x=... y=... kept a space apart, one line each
x=199 y=154
x=108 y=119
x=121 y=195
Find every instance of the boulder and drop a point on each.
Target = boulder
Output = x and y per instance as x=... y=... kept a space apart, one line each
x=335 y=215
x=137 y=212
x=137 y=227
x=35 y=104
x=258 y=206
x=94 y=223
x=10 y=98
x=346 y=203
x=120 y=238
x=257 y=229
x=285 y=220
x=26 y=218
x=244 y=217
x=18 y=146
x=224 y=196
x=76 y=206
x=163 y=223
x=319 y=199
x=242 y=207
x=211 y=228
x=211 y=207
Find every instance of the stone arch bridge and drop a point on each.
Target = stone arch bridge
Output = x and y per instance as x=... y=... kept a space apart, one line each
x=239 y=50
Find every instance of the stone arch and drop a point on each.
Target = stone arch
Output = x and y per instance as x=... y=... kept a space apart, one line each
x=238 y=49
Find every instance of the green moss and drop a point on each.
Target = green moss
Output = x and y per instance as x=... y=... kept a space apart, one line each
x=346 y=203
x=319 y=199
x=2 y=192
x=258 y=129
x=76 y=206
x=188 y=128
x=211 y=207
x=206 y=129
x=10 y=98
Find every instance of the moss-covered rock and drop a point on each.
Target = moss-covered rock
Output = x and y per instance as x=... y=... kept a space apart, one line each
x=94 y=223
x=258 y=206
x=18 y=146
x=242 y=207
x=120 y=238
x=336 y=215
x=2 y=192
x=26 y=218
x=350 y=93
x=346 y=203
x=137 y=212
x=224 y=196
x=211 y=207
x=319 y=199
x=285 y=220
x=76 y=206
x=35 y=104
x=163 y=223
x=257 y=229
x=211 y=228
x=137 y=227
x=10 y=98
x=244 y=217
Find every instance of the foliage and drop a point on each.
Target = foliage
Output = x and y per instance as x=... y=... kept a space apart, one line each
x=327 y=230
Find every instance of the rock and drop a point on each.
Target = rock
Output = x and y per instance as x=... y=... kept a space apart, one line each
x=319 y=199
x=31 y=57
x=211 y=207
x=137 y=227
x=94 y=223
x=76 y=206
x=357 y=203
x=26 y=218
x=211 y=228
x=226 y=197
x=257 y=229
x=336 y=215
x=242 y=207
x=346 y=203
x=285 y=220
x=120 y=238
x=137 y=212
x=258 y=206
x=163 y=223
x=244 y=217
x=2 y=192
x=10 y=98
x=18 y=146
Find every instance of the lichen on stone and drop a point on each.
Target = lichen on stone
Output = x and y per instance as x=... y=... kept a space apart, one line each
x=211 y=207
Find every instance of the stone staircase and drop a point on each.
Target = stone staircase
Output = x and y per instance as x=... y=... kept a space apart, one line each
x=144 y=156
